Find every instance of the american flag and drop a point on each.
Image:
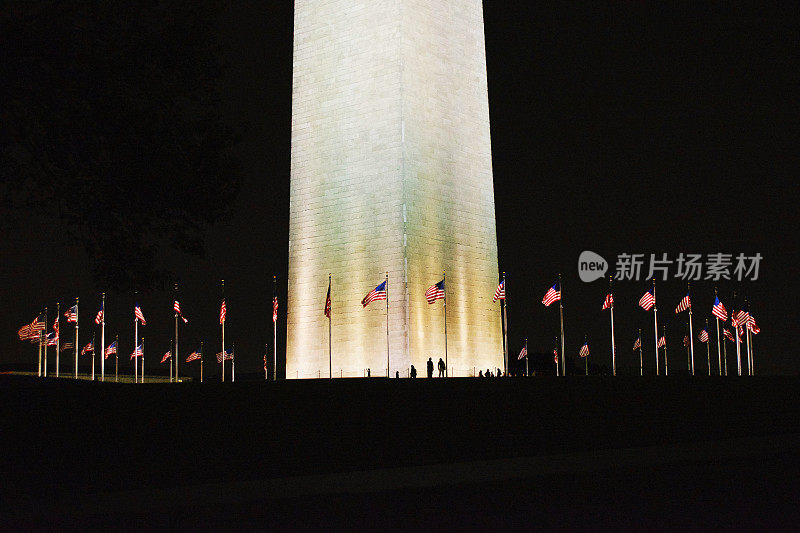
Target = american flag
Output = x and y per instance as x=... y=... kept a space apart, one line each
x=55 y=325
x=500 y=292
x=32 y=330
x=166 y=356
x=740 y=332
x=222 y=312
x=88 y=348
x=52 y=338
x=609 y=301
x=637 y=344
x=228 y=355
x=743 y=317
x=274 y=309
x=523 y=354
x=67 y=346
x=177 y=308
x=138 y=351
x=112 y=349
x=703 y=335
x=137 y=313
x=719 y=310
x=686 y=341
x=194 y=356
x=753 y=327
x=648 y=300
x=435 y=292
x=662 y=341
x=552 y=295
x=378 y=293
x=72 y=314
x=555 y=355
x=99 y=318
x=684 y=304
x=728 y=334
x=327 y=301
x=584 y=350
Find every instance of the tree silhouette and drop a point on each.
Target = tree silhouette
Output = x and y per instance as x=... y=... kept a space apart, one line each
x=110 y=120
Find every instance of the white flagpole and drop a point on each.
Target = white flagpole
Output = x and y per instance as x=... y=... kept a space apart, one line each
x=170 y=363
x=44 y=343
x=749 y=351
x=666 y=361
x=387 y=324
x=58 y=335
x=725 y=354
x=641 y=359
x=274 y=331
x=42 y=335
x=103 y=341
x=446 y=365
x=135 y=345
x=505 y=328
x=233 y=364
x=691 y=332
x=613 y=344
x=708 y=350
x=201 y=362
x=93 y=351
x=175 y=353
x=719 y=349
x=223 y=332
x=116 y=359
x=655 y=322
x=142 y=359
x=750 y=337
x=561 y=318
x=76 y=338
x=527 y=369
x=330 y=335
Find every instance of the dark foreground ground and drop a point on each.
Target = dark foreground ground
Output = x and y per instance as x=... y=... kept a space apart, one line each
x=556 y=453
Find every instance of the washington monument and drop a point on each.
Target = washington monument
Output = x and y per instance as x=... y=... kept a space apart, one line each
x=391 y=171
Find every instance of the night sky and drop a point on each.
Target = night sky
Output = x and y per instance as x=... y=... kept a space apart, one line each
x=624 y=129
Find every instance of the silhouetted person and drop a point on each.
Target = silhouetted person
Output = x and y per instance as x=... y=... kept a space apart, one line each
x=487 y=374
x=480 y=373
x=368 y=373
x=413 y=371
x=442 y=368
x=396 y=374
x=430 y=367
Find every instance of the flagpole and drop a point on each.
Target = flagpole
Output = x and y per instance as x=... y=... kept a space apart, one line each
x=274 y=331
x=116 y=364
x=175 y=355
x=143 y=359
x=45 y=342
x=655 y=321
x=527 y=370
x=201 y=362
x=505 y=329
x=586 y=359
x=103 y=340
x=691 y=332
x=666 y=361
x=58 y=335
x=93 y=337
x=330 y=336
x=446 y=365
x=708 y=350
x=725 y=354
x=752 y=354
x=687 y=341
x=76 y=338
x=233 y=362
x=387 y=324
x=41 y=335
x=736 y=334
x=561 y=319
x=557 y=359
x=641 y=360
x=613 y=343
x=135 y=340
x=223 y=332
x=719 y=349
x=747 y=330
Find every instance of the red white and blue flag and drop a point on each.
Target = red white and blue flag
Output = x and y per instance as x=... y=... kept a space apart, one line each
x=684 y=304
x=584 y=350
x=752 y=326
x=719 y=310
x=72 y=313
x=728 y=334
x=378 y=293
x=553 y=294
x=637 y=344
x=609 y=301
x=222 y=312
x=88 y=348
x=177 y=308
x=112 y=349
x=274 y=309
x=99 y=318
x=327 y=302
x=137 y=313
x=500 y=292
x=742 y=317
x=194 y=356
x=166 y=356
x=32 y=330
x=662 y=341
x=523 y=354
x=52 y=338
x=435 y=292
x=686 y=341
x=555 y=355
x=138 y=351
x=648 y=300
x=228 y=355
x=703 y=335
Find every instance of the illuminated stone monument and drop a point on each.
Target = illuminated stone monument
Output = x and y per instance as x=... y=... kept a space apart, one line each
x=391 y=171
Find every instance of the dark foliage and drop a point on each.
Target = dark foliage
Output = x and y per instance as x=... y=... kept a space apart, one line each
x=110 y=122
